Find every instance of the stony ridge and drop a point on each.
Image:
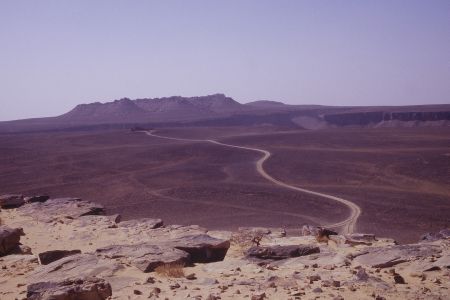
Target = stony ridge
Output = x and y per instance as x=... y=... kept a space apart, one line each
x=68 y=247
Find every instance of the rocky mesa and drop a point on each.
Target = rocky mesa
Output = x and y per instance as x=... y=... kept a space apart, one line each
x=67 y=248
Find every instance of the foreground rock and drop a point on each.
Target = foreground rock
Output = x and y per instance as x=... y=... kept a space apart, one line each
x=61 y=209
x=53 y=255
x=9 y=239
x=11 y=201
x=83 y=288
x=146 y=257
x=281 y=252
x=74 y=266
x=385 y=257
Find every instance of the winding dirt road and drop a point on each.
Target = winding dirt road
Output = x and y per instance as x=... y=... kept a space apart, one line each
x=348 y=225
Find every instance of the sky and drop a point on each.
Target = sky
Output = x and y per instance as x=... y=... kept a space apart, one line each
x=57 y=54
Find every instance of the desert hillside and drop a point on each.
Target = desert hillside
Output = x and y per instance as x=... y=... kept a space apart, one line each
x=66 y=248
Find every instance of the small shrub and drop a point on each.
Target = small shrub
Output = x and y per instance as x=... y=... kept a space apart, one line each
x=171 y=270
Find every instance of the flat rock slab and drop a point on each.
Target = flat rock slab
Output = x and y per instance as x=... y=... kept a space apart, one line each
x=202 y=247
x=11 y=201
x=9 y=239
x=281 y=252
x=143 y=223
x=146 y=257
x=61 y=208
x=97 y=220
x=73 y=289
x=74 y=266
x=53 y=255
x=385 y=257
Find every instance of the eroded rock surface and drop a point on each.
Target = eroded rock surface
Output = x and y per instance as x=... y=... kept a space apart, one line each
x=61 y=208
x=70 y=289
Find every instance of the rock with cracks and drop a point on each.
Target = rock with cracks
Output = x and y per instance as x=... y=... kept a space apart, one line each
x=74 y=266
x=385 y=257
x=70 y=289
x=61 y=209
x=146 y=257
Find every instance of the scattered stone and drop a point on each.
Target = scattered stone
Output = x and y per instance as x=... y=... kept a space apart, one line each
x=361 y=275
x=281 y=252
x=313 y=278
x=191 y=276
x=398 y=279
x=9 y=239
x=137 y=292
x=85 y=288
x=11 y=201
x=50 y=256
x=259 y=296
x=317 y=290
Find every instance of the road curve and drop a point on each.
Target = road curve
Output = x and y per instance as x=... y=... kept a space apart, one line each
x=348 y=225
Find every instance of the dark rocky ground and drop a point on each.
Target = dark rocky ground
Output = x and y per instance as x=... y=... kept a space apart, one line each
x=398 y=176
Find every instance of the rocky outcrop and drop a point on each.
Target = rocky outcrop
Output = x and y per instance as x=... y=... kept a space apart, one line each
x=202 y=247
x=61 y=208
x=146 y=257
x=74 y=266
x=33 y=199
x=281 y=252
x=9 y=239
x=376 y=117
x=11 y=201
x=117 y=256
x=144 y=223
x=52 y=255
x=72 y=289
x=384 y=257
x=435 y=236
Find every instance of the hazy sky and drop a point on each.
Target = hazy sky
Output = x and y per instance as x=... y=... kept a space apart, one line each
x=56 y=54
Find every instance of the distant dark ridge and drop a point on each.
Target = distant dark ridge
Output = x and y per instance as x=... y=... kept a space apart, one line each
x=367 y=118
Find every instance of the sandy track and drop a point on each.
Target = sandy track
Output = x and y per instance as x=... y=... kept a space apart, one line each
x=348 y=225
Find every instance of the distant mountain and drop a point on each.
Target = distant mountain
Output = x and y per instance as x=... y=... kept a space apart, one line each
x=220 y=110
x=266 y=103
x=150 y=110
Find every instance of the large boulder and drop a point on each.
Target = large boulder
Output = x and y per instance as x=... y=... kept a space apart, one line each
x=74 y=266
x=53 y=255
x=202 y=247
x=61 y=208
x=385 y=257
x=146 y=257
x=90 y=288
x=281 y=252
x=11 y=201
x=9 y=239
